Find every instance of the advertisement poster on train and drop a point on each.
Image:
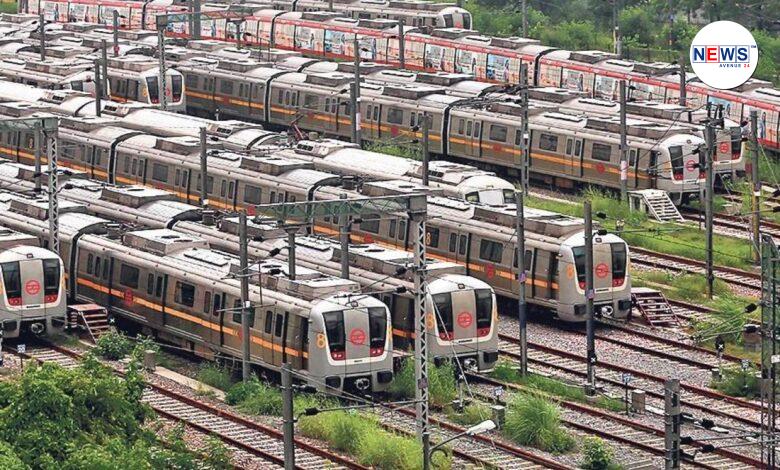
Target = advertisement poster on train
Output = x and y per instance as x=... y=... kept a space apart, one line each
x=643 y=91
x=51 y=11
x=234 y=30
x=304 y=39
x=434 y=57
x=466 y=63
x=767 y=123
x=607 y=88
x=498 y=68
x=208 y=28
x=367 y=48
x=549 y=75
x=727 y=107
x=334 y=42
x=574 y=80
x=78 y=12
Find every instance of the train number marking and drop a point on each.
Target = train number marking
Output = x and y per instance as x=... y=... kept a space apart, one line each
x=320 y=341
x=429 y=323
x=357 y=336
x=570 y=271
x=602 y=270
x=32 y=287
x=465 y=320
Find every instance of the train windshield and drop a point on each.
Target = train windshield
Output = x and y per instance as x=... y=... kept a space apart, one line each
x=154 y=89
x=51 y=279
x=334 y=329
x=443 y=311
x=484 y=298
x=377 y=329
x=12 y=281
x=579 y=264
x=176 y=87
x=676 y=157
x=736 y=142
x=619 y=259
x=509 y=196
x=466 y=20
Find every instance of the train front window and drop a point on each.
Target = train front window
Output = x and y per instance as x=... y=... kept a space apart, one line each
x=334 y=329
x=466 y=20
x=443 y=312
x=12 y=281
x=176 y=87
x=736 y=142
x=154 y=89
x=51 y=280
x=484 y=301
x=676 y=158
x=377 y=330
x=509 y=196
x=619 y=259
x=579 y=264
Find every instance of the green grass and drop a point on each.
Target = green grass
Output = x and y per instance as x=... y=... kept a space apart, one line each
x=411 y=151
x=684 y=240
x=473 y=413
x=215 y=376
x=534 y=421
x=505 y=371
x=598 y=455
x=9 y=7
x=737 y=382
x=441 y=383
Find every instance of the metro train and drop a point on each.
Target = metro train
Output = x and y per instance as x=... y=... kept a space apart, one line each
x=177 y=287
x=478 y=236
x=453 y=296
x=33 y=287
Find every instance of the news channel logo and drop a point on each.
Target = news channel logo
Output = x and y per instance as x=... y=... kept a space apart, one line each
x=724 y=55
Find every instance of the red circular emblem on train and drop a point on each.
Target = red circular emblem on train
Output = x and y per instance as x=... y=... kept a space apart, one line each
x=32 y=287
x=368 y=239
x=490 y=270
x=724 y=147
x=357 y=336
x=465 y=319
x=690 y=165
x=602 y=270
x=127 y=297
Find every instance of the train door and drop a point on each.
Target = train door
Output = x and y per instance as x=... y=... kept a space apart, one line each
x=574 y=151
x=278 y=338
x=266 y=333
x=464 y=325
x=213 y=305
x=473 y=134
x=372 y=121
x=542 y=274
x=602 y=266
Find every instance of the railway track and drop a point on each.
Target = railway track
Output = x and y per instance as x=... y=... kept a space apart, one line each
x=698 y=398
x=733 y=225
x=629 y=432
x=261 y=441
x=737 y=277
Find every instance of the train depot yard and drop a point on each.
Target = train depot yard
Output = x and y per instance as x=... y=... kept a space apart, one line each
x=364 y=234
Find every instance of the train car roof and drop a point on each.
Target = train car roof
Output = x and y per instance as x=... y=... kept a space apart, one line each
x=10 y=239
x=22 y=249
x=455 y=282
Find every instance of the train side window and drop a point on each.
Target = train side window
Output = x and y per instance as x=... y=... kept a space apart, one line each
x=158 y=287
x=287 y=98
x=569 y=144
x=469 y=126
x=412 y=119
x=432 y=237
x=391 y=231
x=216 y=304
x=368 y=112
x=376 y=113
x=498 y=133
x=578 y=148
x=632 y=157
x=206 y=302
x=252 y=194
x=105 y=269
x=226 y=87
x=127 y=165
x=281 y=96
x=548 y=142
x=241 y=89
x=184 y=294
x=490 y=251
x=269 y=320
x=209 y=184
x=184 y=178
x=327 y=107
x=191 y=81
x=526 y=259
x=97 y=266
x=223 y=189
x=132 y=90
x=278 y=325
x=134 y=168
x=177 y=177
x=371 y=224
x=453 y=242
x=601 y=152
x=128 y=276
x=395 y=116
x=150 y=283
x=402 y=230
x=312 y=101
x=89 y=263
x=231 y=189
x=160 y=172
x=461 y=126
x=476 y=130
x=463 y=245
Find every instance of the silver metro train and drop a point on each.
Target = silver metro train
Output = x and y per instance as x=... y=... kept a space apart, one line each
x=463 y=308
x=178 y=288
x=33 y=287
x=477 y=236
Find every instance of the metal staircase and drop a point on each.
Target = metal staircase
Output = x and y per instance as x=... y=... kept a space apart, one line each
x=654 y=307
x=91 y=317
x=656 y=203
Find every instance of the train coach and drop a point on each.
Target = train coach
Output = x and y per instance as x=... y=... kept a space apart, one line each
x=476 y=236
x=33 y=292
x=176 y=287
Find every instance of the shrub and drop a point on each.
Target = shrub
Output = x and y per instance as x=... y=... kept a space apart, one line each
x=534 y=421
x=255 y=397
x=506 y=372
x=217 y=454
x=597 y=455
x=215 y=376
x=113 y=346
x=240 y=391
x=737 y=382
x=441 y=383
x=473 y=413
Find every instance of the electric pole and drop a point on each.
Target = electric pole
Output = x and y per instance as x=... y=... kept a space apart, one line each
x=246 y=373
x=525 y=141
x=623 y=144
x=426 y=154
x=709 y=190
x=116 y=33
x=525 y=18
x=287 y=416
x=38 y=144
x=161 y=50
x=683 y=81
x=589 y=294
x=98 y=88
x=42 y=23
x=344 y=239
x=196 y=26
x=54 y=207
x=401 y=45
x=204 y=170
x=756 y=196
x=672 y=421
x=421 y=340
x=769 y=328
x=291 y=252
x=104 y=70
x=616 y=28
x=521 y=305
x=355 y=97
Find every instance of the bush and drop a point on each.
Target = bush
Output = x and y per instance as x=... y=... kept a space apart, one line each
x=473 y=413
x=113 y=346
x=737 y=382
x=441 y=383
x=534 y=421
x=215 y=376
x=505 y=371
x=255 y=397
x=597 y=455
x=240 y=391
